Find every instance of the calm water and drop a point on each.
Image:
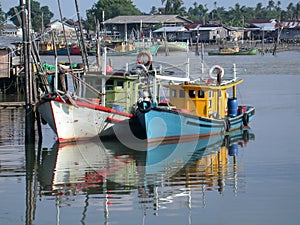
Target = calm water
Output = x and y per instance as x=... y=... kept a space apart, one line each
x=105 y=183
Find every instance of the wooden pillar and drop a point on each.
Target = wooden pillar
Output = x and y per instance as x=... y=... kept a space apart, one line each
x=30 y=114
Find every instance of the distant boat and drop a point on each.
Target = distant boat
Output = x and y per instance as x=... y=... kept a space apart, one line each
x=60 y=51
x=234 y=51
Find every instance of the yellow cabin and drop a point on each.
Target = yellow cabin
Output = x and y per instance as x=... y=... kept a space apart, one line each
x=206 y=100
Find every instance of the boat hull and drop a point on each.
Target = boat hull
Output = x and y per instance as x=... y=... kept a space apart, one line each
x=241 y=52
x=165 y=126
x=81 y=121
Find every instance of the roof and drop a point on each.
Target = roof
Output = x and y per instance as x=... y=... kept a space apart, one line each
x=171 y=29
x=149 y=19
x=290 y=24
x=8 y=42
x=205 y=28
x=9 y=27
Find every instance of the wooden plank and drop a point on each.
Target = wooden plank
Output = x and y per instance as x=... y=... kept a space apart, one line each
x=4 y=105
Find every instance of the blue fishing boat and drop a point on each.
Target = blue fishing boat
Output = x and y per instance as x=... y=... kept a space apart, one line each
x=194 y=109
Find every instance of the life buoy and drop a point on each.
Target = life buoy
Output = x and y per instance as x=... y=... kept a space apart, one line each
x=144 y=106
x=141 y=56
x=220 y=71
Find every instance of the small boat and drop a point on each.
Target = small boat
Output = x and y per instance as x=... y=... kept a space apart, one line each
x=60 y=51
x=77 y=110
x=73 y=118
x=234 y=51
x=195 y=109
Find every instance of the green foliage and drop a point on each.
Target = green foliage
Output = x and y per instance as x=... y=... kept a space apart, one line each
x=38 y=14
x=174 y=7
x=2 y=16
x=238 y=15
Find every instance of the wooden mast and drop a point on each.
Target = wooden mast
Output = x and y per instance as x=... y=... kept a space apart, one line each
x=29 y=116
x=83 y=49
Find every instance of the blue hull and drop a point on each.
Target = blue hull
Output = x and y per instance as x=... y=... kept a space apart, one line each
x=160 y=125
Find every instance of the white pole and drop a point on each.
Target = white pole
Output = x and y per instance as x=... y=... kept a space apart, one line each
x=56 y=75
x=103 y=77
x=188 y=68
x=234 y=71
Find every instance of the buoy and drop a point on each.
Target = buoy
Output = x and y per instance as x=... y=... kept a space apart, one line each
x=142 y=55
x=109 y=70
x=220 y=72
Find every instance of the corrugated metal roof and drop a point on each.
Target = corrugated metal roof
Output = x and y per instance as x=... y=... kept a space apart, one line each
x=291 y=24
x=266 y=26
x=171 y=29
x=7 y=42
x=152 y=19
x=205 y=28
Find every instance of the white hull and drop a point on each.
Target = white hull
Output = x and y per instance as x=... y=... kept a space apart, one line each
x=71 y=123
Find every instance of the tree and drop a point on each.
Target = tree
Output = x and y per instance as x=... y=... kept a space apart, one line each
x=2 y=16
x=174 y=7
x=38 y=14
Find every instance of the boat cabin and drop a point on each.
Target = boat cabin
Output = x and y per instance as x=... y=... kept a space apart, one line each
x=120 y=90
x=120 y=93
x=211 y=101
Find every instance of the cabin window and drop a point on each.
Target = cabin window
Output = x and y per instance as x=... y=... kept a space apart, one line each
x=109 y=85
x=200 y=94
x=174 y=93
x=120 y=84
x=209 y=104
x=192 y=93
x=181 y=93
x=211 y=94
x=220 y=94
x=128 y=85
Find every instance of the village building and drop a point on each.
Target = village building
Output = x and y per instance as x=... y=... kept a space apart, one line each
x=208 y=33
x=290 y=31
x=136 y=27
x=57 y=28
x=10 y=30
x=177 y=33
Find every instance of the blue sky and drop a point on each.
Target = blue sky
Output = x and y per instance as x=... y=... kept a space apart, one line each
x=68 y=6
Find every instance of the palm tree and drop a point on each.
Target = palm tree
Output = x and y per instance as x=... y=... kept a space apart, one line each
x=173 y=6
x=271 y=5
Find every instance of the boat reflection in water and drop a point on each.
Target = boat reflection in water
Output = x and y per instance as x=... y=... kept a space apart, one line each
x=158 y=175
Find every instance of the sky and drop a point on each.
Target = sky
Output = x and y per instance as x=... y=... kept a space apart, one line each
x=69 y=10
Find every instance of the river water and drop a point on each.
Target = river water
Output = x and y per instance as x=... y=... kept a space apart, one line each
x=252 y=179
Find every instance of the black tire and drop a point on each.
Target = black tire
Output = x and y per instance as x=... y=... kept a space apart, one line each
x=245 y=119
x=142 y=107
x=49 y=96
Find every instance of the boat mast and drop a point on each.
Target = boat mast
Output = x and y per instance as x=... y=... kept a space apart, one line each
x=83 y=47
x=65 y=38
